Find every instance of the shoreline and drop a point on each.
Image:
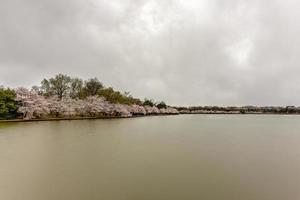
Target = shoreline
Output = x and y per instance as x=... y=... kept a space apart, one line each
x=80 y=118
x=239 y=114
x=135 y=116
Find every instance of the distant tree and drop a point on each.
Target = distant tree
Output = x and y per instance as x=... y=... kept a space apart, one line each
x=37 y=89
x=111 y=95
x=242 y=111
x=45 y=88
x=107 y=93
x=148 y=102
x=117 y=97
x=59 y=85
x=127 y=94
x=64 y=86
x=161 y=105
x=8 y=105
x=92 y=87
x=129 y=99
x=76 y=88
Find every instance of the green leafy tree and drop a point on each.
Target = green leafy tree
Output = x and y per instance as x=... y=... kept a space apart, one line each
x=76 y=88
x=92 y=87
x=109 y=94
x=149 y=102
x=8 y=105
x=161 y=105
x=37 y=89
x=45 y=88
x=59 y=85
x=62 y=85
x=117 y=97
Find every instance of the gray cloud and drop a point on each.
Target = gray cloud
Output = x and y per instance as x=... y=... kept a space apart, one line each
x=196 y=52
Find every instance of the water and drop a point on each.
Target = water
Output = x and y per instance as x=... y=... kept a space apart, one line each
x=210 y=157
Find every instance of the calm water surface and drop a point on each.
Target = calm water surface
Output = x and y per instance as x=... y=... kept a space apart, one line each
x=186 y=157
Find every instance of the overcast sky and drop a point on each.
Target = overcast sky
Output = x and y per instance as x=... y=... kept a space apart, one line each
x=185 y=52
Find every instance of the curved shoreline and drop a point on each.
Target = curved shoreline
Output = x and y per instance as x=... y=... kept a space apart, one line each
x=81 y=118
x=134 y=116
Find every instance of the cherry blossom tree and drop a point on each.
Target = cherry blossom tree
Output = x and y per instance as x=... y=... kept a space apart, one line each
x=32 y=104
x=35 y=106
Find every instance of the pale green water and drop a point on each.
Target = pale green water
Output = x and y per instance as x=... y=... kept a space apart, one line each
x=186 y=157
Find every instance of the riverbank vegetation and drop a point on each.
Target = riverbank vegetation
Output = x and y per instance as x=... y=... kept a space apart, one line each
x=65 y=97
x=239 y=110
x=8 y=105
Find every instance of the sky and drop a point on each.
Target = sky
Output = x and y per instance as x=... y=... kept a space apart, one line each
x=184 y=52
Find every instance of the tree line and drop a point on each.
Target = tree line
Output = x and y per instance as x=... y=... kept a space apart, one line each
x=8 y=105
x=241 y=110
x=62 y=85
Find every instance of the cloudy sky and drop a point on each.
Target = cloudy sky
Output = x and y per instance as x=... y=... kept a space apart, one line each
x=186 y=52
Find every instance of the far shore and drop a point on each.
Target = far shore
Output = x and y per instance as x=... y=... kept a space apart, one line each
x=239 y=113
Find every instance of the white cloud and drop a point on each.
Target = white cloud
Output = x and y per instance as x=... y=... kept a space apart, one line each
x=240 y=52
x=183 y=52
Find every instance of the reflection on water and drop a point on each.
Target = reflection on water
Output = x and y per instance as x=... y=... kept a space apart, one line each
x=234 y=157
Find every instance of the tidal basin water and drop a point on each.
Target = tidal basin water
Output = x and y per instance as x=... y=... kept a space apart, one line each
x=185 y=157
